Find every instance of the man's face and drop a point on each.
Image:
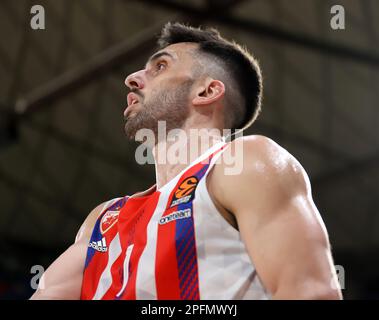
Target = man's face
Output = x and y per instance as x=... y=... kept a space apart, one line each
x=161 y=91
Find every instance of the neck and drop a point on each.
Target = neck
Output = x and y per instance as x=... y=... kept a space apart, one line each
x=176 y=152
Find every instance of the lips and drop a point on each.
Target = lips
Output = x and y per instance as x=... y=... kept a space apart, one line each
x=132 y=98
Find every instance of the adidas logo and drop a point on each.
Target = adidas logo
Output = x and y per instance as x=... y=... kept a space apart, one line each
x=99 y=245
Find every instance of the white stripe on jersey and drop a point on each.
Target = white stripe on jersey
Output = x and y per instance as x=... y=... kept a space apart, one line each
x=145 y=283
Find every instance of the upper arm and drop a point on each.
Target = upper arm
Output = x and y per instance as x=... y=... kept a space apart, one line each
x=63 y=278
x=279 y=223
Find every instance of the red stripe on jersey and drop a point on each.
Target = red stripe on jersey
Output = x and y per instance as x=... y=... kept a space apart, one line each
x=133 y=230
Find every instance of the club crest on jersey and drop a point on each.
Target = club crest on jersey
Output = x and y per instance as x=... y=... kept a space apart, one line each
x=108 y=221
x=185 y=191
x=100 y=245
x=180 y=214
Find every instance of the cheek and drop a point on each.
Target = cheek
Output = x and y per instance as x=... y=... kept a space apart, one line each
x=165 y=86
x=159 y=89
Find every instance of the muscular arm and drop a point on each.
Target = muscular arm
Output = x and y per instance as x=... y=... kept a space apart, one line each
x=63 y=279
x=278 y=221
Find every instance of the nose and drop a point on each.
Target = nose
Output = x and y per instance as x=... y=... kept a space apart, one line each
x=135 y=80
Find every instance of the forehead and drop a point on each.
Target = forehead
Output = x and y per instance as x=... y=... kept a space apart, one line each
x=180 y=51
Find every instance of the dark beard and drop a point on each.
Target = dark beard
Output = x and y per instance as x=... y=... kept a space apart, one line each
x=170 y=106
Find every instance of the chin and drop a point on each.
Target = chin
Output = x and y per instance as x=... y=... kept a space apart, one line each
x=132 y=126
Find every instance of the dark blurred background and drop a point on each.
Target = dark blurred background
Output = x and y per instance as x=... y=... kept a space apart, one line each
x=62 y=147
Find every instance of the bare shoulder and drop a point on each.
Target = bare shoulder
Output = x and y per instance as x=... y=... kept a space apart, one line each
x=259 y=148
x=85 y=231
x=260 y=165
x=262 y=157
x=272 y=160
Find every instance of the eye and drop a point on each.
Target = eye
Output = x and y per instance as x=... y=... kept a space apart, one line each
x=160 y=65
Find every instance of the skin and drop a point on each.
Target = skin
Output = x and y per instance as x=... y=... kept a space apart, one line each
x=269 y=202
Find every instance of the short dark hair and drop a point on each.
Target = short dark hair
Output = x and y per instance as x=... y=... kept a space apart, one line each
x=244 y=79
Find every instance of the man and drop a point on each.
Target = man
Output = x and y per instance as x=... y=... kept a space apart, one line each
x=202 y=232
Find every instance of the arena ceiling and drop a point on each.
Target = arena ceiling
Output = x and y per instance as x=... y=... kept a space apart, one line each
x=64 y=152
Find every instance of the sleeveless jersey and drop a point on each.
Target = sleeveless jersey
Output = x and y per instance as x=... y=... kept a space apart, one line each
x=169 y=243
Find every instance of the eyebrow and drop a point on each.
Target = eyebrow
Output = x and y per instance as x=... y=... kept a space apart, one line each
x=157 y=55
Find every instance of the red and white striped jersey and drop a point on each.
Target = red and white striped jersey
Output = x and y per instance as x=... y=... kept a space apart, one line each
x=169 y=243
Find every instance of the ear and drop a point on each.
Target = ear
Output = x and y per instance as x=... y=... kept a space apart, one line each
x=208 y=93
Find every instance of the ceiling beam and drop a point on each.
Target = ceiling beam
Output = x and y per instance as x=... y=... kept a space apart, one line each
x=268 y=31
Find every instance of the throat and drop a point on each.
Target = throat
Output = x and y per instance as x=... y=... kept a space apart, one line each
x=171 y=158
